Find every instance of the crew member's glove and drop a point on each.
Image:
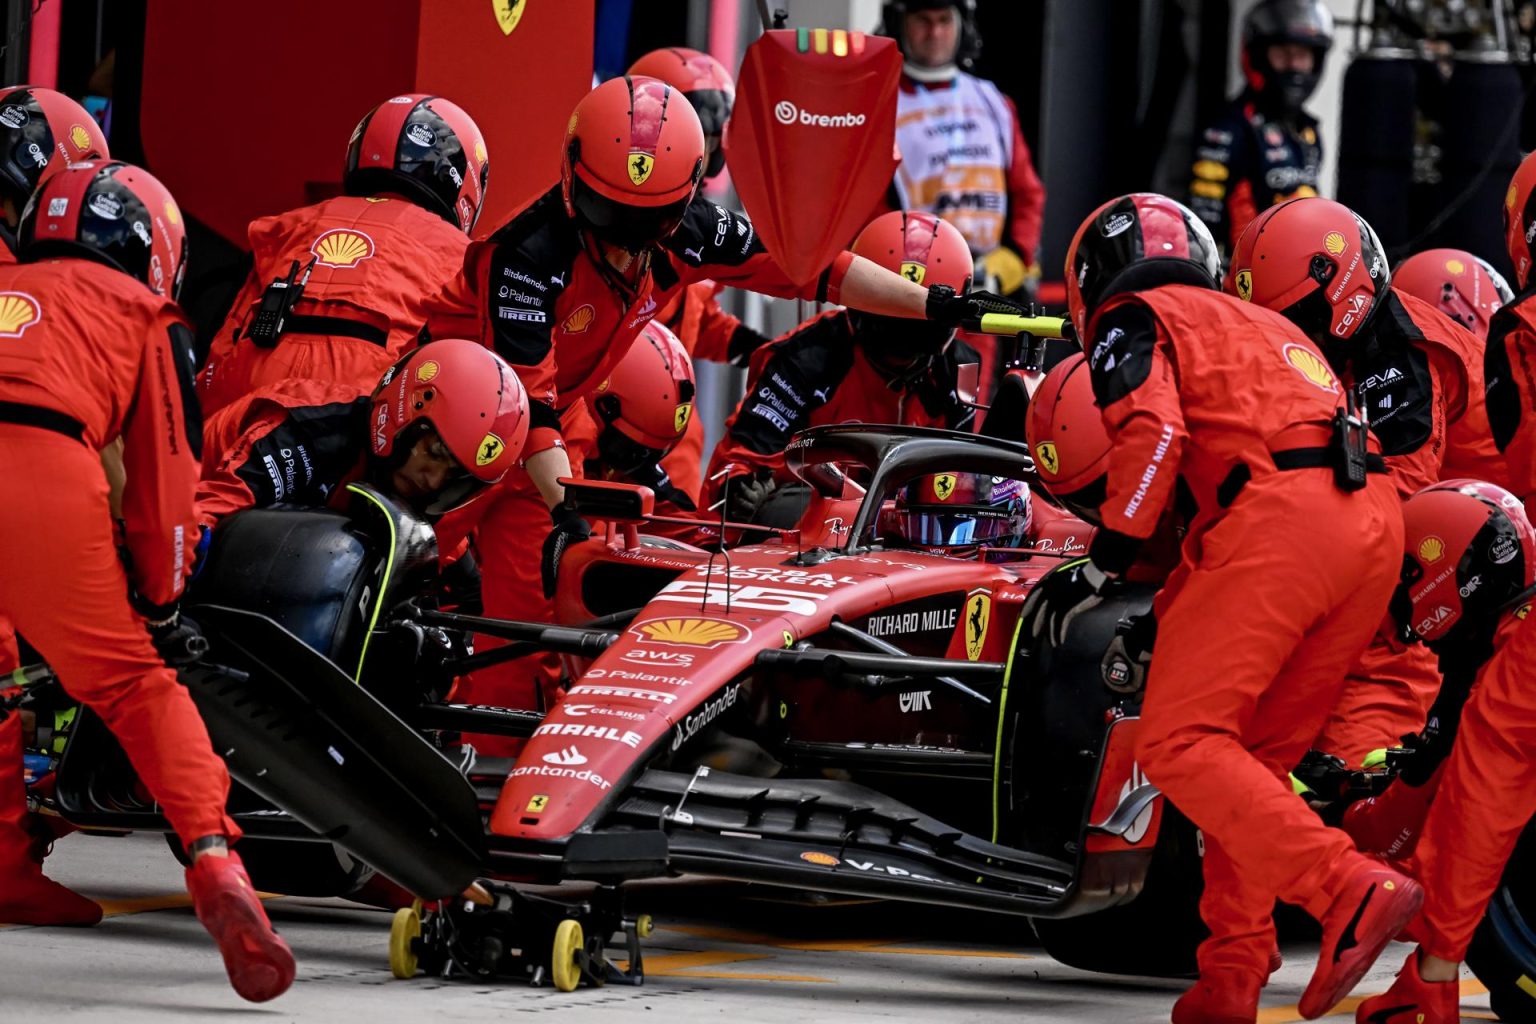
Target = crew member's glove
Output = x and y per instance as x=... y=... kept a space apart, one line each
x=1129 y=654
x=1003 y=269
x=661 y=485
x=569 y=528
x=951 y=310
x=744 y=341
x=744 y=495
x=178 y=640
x=1068 y=591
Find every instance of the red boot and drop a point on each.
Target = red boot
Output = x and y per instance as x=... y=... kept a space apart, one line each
x=1220 y=997
x=1412 y=1000
x=259 y=962
x=27 y=896
x=1371 y=908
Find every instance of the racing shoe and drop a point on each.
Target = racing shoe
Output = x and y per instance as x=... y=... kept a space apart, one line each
x=1412 y=1000
x=1370 y=910
x=259 y=962
x=1220 y=997
x=27 y=896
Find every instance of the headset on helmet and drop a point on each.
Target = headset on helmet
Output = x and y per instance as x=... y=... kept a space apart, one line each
x=1462 y=286
x=469 y=397
x=1520 y=219
x=923 y=249
x=1469 y=555
x=633 y=159
x=113 y=213
x=893 y=23
x=1140 y=240
x=41 y=133
x=425 y=148
x=956 y=513
x=1065 y=432
x=1270 y=22
x=643 y=407
x=1314 y=261
x=707 y=84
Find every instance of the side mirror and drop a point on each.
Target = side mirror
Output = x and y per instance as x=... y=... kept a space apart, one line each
x=610 y=500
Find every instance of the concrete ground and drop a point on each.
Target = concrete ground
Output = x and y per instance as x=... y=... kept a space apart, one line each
x=717 y=954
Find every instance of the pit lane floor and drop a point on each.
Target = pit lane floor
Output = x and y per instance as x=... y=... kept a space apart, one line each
x=718 y=953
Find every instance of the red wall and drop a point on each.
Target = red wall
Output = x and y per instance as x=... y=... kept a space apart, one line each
x=248 y=107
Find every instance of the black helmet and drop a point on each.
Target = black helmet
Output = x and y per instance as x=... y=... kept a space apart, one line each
x=1272 y=22
x=425 y=148
x=893 y=19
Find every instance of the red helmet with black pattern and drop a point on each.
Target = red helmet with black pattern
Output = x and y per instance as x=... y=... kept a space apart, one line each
x=113 y=213
x=1468 y=552
x=468 y=396
x=1462 y=286
x=41 y=133
x=1140 y=240
x=425 y=148
x=632 y=161
x=1315 y=262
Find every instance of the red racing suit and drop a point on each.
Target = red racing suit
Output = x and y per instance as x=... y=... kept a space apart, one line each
x=376 y=261
x=1421 y=378
x=1284 y=578
x=299 y=442
x=818 y=373
x=540 y=293
x=90 y=355
x=1509 y=367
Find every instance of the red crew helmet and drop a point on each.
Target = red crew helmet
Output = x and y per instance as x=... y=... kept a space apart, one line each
x=1520 y=219
x=633 y=158
x=1315 y=262
x=708 y=86
x=41 y=133
x=1462 y=286
x=644 y=406
x=425 y=148
x=113 y=213
x=469 y=397
x=1065 y=432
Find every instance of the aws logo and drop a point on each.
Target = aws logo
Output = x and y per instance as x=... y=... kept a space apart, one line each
x=1311 y=366
x=18 y=311
x=341 y=248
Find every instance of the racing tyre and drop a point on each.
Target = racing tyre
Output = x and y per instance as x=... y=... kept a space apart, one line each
x=1153 y=936
x=1503 y=952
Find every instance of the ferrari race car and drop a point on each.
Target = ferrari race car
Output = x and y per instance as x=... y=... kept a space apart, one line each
x=818 y=709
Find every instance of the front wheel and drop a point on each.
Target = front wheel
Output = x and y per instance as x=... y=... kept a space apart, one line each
x=1503 y=951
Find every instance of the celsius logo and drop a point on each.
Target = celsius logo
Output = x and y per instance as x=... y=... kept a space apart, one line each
x=787 y=113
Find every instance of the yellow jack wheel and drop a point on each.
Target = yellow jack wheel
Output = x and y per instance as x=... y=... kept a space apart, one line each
x=563 y=969
x=404 y=930
x=644 y=926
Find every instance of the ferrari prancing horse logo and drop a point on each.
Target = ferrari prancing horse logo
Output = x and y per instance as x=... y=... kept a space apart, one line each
x=944 y=486
x=640 y=165
x=508 y=14
x=490 y=450
x=978 y=616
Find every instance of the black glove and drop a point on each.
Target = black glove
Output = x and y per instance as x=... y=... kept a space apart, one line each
x=1068 y=591
x=744 y=495
x=1129 y=654
x=569 y=527
x=952 y=310
x=663 y=488
x=178 y=640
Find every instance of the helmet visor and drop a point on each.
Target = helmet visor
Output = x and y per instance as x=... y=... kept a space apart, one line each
x=947 y=527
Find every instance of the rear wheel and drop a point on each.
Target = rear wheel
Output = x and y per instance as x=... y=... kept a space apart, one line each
x=1503 y=952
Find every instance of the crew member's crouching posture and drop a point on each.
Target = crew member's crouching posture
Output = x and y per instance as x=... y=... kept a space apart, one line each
x=1469 y=566
x=96 y=349
x=1235 y=405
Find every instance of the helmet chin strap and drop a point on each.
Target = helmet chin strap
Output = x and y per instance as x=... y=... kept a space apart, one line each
x=920 y=73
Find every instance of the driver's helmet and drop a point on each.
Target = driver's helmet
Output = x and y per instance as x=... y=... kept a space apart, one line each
x=957 y=513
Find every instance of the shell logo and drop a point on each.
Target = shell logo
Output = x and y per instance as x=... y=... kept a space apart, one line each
x=1510 y=197
x=1045 y=454
x=680 y=418
x=18 y=311
x=692 y=632
x=490 y=450
x=172 y=214
x=1334 y=243
x=944 y=486
x=508 y=14
x=640 y=167
x=79 y=137
x=341 y=248
x=1455 y=267
x=913 y=272
x=1431 y=549
x=427 y=370
x=1311 y=366
x=479 y=151
x=580 y=319
x=1245 y=285
x=825 y=860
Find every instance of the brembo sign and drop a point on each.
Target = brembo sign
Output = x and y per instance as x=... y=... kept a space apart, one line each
x=787 y=113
